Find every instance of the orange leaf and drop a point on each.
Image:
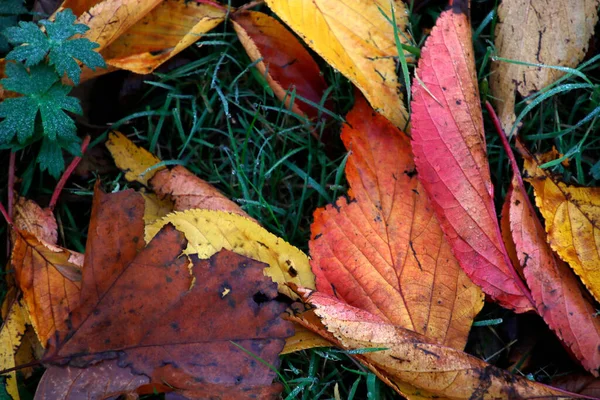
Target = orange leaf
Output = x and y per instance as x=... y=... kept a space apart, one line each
x=449 y=148
x=29 y=216
x=285 y=63
x=168 y=312
x=406 y=356
x=50 y=279
x=382 y=249
x=554 y=287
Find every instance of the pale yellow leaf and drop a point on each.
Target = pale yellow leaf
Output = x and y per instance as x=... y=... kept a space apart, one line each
x=11 y=333
x=135 y=161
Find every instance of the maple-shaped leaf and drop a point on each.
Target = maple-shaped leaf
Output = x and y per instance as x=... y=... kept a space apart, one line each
x=283 y=60
x=147 y=312
x=381 y=249
x=162 y=33
x=43 y=93
x=572 y=216
x=56 y=42
x=450 y=155
x=412 y=364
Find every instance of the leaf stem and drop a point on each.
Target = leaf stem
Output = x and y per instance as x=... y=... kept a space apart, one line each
x=249 y=5
x=212 y=3
x=63 y=179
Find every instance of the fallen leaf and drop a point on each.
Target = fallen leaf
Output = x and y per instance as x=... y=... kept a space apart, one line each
x=586 y=385
x=407 y=356
x=138 y=163
x=208 y=232
x=554 y=33
x=155 y=208
x=381 y=249
x=554 y=287
x=187 y=191
x=162 y=33
x=450 y=155
x=304 y=339
x=284 y=62
x=29 y=216
x=571 y=214
x=109 y=19
x=169 y=310
x=11 y=333
x=356 y=38
x=49 y=277
x=77 y=6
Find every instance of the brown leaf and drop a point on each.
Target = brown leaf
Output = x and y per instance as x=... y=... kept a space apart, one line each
x=554 y=33
x=188 y=191
x=169 y=315
x=285 y=63
x=409 y=357
x=554 y=287
x=382 y=248
x=450 y=155
x=29 y=216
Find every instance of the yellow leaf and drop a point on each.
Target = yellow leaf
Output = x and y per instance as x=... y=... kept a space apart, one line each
x=554 y=33
x=155 y=208
x=109 y=19
x=133 y=160
x=572 y=216
x=357 y=39
x=11 y=333
x=303 y=339
x=209 y=231
x=165 y=31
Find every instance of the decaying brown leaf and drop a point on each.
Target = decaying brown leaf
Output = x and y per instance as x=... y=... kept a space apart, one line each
x=553 y=33
x=171 y=325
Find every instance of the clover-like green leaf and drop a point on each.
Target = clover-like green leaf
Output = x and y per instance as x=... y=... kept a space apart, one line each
x=42 y=92
x=57 y=42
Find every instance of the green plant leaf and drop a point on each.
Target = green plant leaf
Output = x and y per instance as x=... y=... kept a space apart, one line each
x=9 y=13
x=42 y=91
x=50 y=158
x=57 y=42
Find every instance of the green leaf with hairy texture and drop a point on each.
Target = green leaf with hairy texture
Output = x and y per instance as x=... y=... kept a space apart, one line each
x=57 y=43
x=9 y=15
x=42 y=92
x=50 y=158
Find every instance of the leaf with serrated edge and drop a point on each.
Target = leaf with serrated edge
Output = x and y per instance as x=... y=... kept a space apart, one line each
x=450 y=155
x=382 y=248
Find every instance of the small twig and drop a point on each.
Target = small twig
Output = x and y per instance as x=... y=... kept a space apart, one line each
x=5 y=215
x=63 y=179
x=249 y=5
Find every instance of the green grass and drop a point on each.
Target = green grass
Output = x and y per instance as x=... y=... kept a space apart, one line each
x=216 y=116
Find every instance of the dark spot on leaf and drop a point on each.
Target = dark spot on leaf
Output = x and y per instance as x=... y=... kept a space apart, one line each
x=292 y=271
x=260 y=298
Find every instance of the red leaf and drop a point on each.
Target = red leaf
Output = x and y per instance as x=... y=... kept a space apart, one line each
x=449 y=148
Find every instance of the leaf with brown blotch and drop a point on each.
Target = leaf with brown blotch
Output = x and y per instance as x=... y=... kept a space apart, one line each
x=554 y=287
x=449 y=147
x=416 y=361
x=553 y=33
x=187 y=191
x=50 y=278
x=382 y=248
x=162 y=33
x=572 y=216
x=356 y=38
x=174 y=322
x=284 y=62
x=11 y=333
